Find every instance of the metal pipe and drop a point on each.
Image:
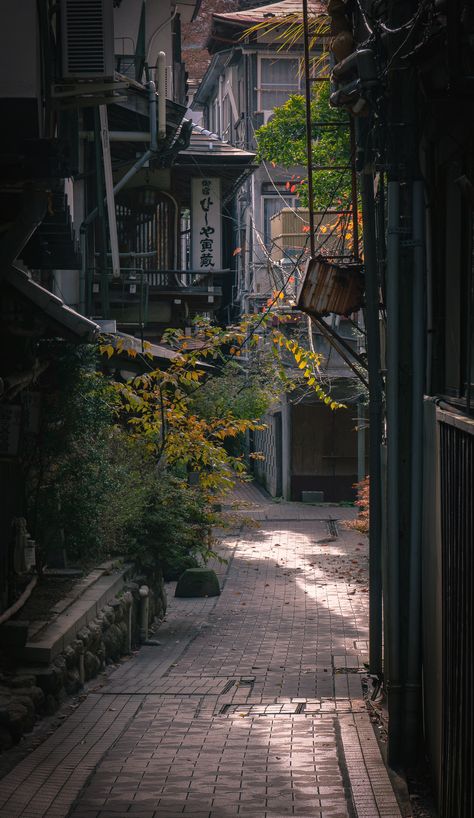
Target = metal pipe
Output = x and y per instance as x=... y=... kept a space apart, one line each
x=119 y=136
x=161 y=75
x=152 y=106
x=104 y=279
x=120 y=184
x=109 y=190
x=372 y=313
x=339 y=349
x=360 y=441
x=344 y=344
x=13 y=609
x=309 y=134
x=82 y=273
x=392 y=610
x=142 y=159
x=413 y=683
x=355 y=213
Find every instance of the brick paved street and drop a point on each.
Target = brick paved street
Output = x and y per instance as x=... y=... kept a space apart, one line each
x=251 y=705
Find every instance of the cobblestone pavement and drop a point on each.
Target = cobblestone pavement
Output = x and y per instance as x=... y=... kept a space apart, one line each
x=250 y=705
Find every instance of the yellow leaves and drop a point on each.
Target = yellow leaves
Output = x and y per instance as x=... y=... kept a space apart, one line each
x=302 y=365
x=106 y=349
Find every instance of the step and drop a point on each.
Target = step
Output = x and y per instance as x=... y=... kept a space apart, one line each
x=90 y=595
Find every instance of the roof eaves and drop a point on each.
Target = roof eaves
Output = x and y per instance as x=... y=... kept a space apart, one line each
x=51 y=305
x=218 y=62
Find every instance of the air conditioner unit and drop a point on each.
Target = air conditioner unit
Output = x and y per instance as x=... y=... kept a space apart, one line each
x=87 y=31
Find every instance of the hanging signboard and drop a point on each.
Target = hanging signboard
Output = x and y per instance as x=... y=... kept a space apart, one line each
x=206 y=224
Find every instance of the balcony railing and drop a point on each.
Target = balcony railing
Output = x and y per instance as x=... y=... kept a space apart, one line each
x=170 y=281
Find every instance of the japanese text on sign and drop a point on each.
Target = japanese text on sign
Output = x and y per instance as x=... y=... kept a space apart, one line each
x=206 y=225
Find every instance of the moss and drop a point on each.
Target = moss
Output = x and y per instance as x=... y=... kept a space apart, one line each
x=198 y=582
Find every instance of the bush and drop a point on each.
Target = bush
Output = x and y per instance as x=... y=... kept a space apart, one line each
x=361 y=523
x=87 y=480
x=174 y=530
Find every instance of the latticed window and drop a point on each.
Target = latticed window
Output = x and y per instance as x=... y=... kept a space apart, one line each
x=146 y=227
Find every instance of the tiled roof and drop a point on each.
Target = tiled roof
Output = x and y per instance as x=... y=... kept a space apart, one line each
x=208 y=144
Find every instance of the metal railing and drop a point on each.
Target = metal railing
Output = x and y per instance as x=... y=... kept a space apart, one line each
x=166 y=280
x=456 y=441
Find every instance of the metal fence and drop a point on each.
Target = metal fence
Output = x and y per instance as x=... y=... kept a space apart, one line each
x=457 y=543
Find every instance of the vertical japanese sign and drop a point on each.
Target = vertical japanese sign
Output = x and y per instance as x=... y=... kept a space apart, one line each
x=206 y=224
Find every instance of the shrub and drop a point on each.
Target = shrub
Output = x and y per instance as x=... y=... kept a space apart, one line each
x=174 y=530
x=361 y=523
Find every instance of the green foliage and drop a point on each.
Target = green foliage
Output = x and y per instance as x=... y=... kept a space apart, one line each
x=108 y=473
x=174 y=531
x=84 y=478
x=247 y=388
x=283 y=141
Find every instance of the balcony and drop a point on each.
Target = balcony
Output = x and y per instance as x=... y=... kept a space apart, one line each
x=158 y=298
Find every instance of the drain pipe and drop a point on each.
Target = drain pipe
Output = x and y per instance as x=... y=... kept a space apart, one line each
x=413 y=684
x=392 y=500
x=152 y=105
x=161 y=76
x=372 y=317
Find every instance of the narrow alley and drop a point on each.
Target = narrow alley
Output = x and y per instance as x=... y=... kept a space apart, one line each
x=247 y=704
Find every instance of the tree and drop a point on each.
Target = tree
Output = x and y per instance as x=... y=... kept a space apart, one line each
x=214 y=391
x=283 y=141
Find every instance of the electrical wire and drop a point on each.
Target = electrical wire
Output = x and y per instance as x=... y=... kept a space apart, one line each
x=416 y=18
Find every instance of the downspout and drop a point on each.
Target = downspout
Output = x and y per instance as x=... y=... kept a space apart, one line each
x=429 y=300
x=392 y=610
x=152 y=106
x=372 y=313
x=413 y=683
x=161 y=77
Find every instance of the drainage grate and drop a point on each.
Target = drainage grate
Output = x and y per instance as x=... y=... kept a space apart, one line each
x=332 y=528
x=228 y=686
x=293 y=709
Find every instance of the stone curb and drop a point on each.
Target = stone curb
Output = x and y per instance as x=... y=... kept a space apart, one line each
x=55 y=636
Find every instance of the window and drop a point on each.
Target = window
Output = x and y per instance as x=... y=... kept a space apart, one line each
x=278 y=79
